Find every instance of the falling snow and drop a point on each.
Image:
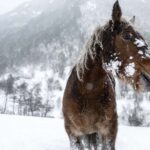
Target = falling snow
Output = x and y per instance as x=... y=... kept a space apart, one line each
x=130 y=69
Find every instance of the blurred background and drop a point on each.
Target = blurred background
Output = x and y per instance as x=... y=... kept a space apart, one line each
x=41 y=40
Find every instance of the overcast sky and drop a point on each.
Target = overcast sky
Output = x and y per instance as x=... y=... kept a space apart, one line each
x=7 y=5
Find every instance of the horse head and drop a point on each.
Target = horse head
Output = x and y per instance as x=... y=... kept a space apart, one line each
x=127 y=50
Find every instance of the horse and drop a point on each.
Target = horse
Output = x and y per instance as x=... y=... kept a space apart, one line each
x=89 y=101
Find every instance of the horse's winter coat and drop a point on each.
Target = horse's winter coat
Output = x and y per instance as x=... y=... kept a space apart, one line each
x=89 y=104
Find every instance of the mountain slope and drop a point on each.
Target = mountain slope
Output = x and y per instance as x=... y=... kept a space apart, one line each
x=59 y=26
x=22 y=33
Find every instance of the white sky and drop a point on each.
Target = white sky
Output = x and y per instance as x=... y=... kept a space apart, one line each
x=7 y=5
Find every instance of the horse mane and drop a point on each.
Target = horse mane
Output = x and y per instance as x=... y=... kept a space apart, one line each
x=89 y=50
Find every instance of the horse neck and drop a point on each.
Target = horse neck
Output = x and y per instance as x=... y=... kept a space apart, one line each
x=94 y=68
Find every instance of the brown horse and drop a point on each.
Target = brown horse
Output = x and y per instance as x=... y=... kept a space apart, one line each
x=89 y=104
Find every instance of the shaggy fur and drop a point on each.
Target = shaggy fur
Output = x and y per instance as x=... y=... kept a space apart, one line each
x=89 y=103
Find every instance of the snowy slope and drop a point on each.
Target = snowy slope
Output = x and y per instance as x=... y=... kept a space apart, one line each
x=29 y=133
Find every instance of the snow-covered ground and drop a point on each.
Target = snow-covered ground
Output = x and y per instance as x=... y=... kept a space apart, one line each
x=30 y=133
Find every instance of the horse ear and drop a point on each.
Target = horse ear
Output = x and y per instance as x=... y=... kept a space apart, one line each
x=132 y=20
x=116 y=12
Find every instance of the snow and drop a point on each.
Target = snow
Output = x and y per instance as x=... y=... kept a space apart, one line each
x=113 y=66
x=31 y=133
x=139 y=43
x=131 y=57
x=144 y=1
x=13 y=14
x=26 y=5
x=37 y=13
x=51 y=1
x=90 y=6
x=140 y=52
x=116 y=64
x=130 y=69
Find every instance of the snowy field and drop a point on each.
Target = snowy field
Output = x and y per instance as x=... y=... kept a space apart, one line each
x=30 y=133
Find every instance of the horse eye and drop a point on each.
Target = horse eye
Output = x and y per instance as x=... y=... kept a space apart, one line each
x=127 y=36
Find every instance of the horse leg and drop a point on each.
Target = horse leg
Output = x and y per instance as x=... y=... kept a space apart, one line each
x=108 y=140
x=95 y=141
x=108 y=144
x=75 y=141
x=86 y=142
x=92 y=141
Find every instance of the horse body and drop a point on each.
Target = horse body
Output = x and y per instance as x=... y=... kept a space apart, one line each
x=89 y=104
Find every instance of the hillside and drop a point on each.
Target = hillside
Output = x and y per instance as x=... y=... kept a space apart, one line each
x=38 y=28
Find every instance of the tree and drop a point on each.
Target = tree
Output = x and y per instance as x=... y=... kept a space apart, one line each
x=136 y=118
x=8 y=88
x=22 y=91
x=34 y=99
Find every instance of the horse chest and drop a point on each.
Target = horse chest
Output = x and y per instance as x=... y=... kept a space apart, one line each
x=89 y=105
x=88 y=123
